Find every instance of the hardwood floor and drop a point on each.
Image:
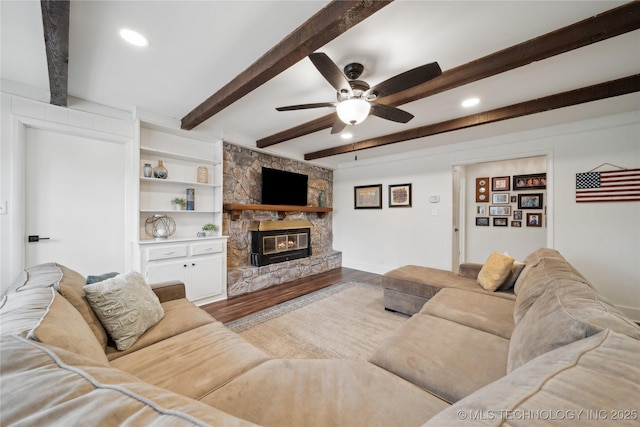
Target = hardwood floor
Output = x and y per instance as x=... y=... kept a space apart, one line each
x=243 y=305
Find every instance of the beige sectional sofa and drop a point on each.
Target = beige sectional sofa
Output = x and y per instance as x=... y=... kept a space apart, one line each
x=550 y=352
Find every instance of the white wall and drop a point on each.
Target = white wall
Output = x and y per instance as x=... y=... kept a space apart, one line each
x=602 y=240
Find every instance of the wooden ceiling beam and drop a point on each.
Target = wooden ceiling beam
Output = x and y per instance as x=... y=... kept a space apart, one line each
x=600 y=27
x=596 y=92
x=333 y=20
x=55 y=22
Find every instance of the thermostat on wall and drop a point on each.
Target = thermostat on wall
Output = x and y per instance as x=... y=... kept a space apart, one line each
x=434 y=199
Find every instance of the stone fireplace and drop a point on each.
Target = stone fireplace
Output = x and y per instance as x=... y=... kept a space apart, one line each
x=242 y=185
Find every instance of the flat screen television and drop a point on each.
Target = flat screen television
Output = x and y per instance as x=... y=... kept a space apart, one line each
x=283 y=188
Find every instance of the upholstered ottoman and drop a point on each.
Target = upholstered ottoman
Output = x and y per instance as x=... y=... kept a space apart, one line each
x=408 y=288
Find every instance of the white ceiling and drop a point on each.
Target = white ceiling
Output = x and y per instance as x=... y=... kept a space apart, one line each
x=196 y=47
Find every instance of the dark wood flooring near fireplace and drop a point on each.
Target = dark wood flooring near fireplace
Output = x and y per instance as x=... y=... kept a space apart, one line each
x=244 y=305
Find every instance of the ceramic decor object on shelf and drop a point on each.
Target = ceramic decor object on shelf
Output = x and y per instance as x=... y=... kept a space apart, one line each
x=160 y=171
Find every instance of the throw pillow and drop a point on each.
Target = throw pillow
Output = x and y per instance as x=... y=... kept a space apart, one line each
x=126 y=307
x=495 y=271
x=516 y=269
x=95 y=279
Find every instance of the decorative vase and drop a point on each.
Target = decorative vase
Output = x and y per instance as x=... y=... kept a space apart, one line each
x=147 y=170
x=160 y=171
x=160 y=227
x=322 y=199
x=203 y=175
x=191 y=199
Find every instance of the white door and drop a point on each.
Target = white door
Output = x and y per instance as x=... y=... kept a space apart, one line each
x=75 y=198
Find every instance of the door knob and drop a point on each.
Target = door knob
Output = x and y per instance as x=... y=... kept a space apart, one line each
x=36 y=238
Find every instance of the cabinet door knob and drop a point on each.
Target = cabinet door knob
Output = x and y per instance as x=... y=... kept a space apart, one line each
x=193 y=264
x=185 y=265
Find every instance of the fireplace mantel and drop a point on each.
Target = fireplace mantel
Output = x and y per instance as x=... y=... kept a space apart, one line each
x=235 y=209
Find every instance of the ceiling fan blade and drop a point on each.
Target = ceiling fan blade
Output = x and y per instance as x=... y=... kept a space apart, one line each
x=306 y=106
x=390 y=113
x=406 y=80
x=338 y=126
x=330 y=71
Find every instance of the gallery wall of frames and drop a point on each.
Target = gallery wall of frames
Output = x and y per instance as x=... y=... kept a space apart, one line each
x=511 y=200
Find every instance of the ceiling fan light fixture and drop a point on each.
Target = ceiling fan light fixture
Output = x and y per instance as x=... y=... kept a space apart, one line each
x=353 y=111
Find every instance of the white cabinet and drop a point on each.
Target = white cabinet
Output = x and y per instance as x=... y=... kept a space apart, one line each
x=193 y=162
x=200 y=264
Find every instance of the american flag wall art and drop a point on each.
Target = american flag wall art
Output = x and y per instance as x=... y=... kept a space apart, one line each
x=608 y=186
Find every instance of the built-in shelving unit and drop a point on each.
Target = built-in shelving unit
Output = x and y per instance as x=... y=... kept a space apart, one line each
x=235 y=209
x=199 y=262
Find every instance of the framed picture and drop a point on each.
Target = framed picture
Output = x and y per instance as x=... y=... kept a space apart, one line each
x=499 y=210
x=482 y=221
x=514 y=199
x=481 y=210
x=517 y=215
x=499 y=222
x=530 y=201
x=534 y=220
x=400 y=196
x=482 y=189
x=516 y=223
x=500 y=198
x=368 y=197
x=500 y=183
x=527 y=182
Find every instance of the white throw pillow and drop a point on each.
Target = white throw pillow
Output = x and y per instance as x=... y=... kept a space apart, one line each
x=126 y=306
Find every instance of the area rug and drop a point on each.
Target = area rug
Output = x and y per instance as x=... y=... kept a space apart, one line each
x=346 y=321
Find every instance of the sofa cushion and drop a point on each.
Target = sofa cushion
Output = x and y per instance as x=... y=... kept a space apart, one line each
x=590 y=381
x=126 y=307
x=42 y=314
x=44 y=386
x=532 y=261
x=541 y=276
x=71 y=286
x=567 y=311
x=434 y=354
x=180 y=315
x=495 y=271
x=476 y=310
x=202 y=360
x=66 y=281
x=39 y=276
x=324 y=393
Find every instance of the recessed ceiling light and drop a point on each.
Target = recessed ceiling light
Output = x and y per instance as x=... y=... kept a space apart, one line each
x=470 y=102
x=134 y=37
x=346 y=135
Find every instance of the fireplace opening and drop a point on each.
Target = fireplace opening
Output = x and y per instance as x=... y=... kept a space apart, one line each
x=279 y=241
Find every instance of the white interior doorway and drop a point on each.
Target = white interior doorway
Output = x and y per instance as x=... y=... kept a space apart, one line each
x=502 y=232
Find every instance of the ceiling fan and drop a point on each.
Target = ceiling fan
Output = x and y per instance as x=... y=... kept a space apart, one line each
x=356 y=98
